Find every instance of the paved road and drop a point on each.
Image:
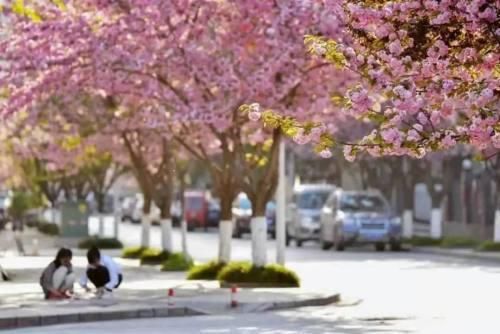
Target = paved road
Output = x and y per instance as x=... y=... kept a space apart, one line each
x=384 y=293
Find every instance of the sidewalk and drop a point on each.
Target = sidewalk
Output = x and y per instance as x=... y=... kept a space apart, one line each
x=144 y=294
x=463 y=253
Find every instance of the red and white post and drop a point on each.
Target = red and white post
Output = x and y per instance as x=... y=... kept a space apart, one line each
x=234 y=300
x=171 y=295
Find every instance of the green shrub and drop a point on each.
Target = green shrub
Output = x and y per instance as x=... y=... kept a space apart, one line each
x=48 y=228
x=101 y=243
x=245 y=272
x=424 y=241
x=177 y=262
x=458 y=242
x=132 y=252
x=206 y=271
x=489 y=246
x=153 y=256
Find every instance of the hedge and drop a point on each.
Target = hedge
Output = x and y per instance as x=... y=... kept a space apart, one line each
x=132 y=252
x=459 y=242
x=101 y=243
x=245 y=272
x=153 y=256
x=424 y=241
x=177 y=262
x=206 y=271
x=489 y=246
x=48 y=228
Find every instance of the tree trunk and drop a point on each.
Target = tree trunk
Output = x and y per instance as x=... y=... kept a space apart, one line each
x=183 y=221
x=166 y=230
x=225 y=227
x=100 y=213
x=146 y=222
x=259 y=239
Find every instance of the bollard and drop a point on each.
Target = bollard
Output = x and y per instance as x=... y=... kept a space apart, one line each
x=234 y=301
x=171 y=297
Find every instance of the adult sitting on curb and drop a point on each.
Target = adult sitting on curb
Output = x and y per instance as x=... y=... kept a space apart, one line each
x=57 y=279
x=103 y=272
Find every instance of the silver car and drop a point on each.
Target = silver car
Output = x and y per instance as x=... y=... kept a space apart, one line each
x=359 y=217
x=304 y=211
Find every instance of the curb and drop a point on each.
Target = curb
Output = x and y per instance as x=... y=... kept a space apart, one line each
x=319 y=301
x=141 y=313
x=470 y=256
x=154 y=312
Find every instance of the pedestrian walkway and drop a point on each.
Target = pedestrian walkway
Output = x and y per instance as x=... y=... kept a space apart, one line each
x=463 y=253
x=144 y=293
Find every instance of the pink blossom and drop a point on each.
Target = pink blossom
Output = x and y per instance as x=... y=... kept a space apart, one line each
x=348 y=153
x=326 y=154
x=395 y=47
x=413 y=135
x=422 y=118
x=254 y=116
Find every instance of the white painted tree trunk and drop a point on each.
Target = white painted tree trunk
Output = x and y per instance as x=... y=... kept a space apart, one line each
x=280 y=208
x=101 y=218
x=259 y=239
x=496 y=234
x=53 y=215
x=166 y=235
x=408 y=224
x=146 y=230
x=225 y=237
x=184 y=238
x=116 y=225
x=436 y=223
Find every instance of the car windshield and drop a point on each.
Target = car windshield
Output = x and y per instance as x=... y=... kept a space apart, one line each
x=312 y=200
x=363 y=203
x=194 y=203
x=245 y=204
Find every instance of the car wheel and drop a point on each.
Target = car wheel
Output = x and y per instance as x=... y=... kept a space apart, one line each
x=395 y=246
x=326 y=245
x=299 y=242
x=190 y=226
x=237 y=232
x=287 y=239
x=380 y=246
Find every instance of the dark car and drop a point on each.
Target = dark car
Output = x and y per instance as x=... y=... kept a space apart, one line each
x=213 y=214
x=271 y=219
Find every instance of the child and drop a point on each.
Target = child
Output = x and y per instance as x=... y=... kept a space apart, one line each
x=58 y=278
x=103 y=272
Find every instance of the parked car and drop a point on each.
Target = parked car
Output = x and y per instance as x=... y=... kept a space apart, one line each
x=128 y=205
x=271 y=219
x=196 y=207
x=214 y=213
x=359 y=217
x=242 y=215
x=304 y=211
x=5 y=201
x=176 y=213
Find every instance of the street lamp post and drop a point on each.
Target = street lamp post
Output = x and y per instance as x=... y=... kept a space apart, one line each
x=281 y=206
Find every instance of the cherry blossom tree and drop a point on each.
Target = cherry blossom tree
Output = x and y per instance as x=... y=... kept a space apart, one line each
x=428 y=74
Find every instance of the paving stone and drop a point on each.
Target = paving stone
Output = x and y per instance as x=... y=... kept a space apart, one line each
x=6 y=323
x=48 y=320
x=89 y=317
x=146 y=313
x=176 y=311
x=29 y=321
x=68 y=318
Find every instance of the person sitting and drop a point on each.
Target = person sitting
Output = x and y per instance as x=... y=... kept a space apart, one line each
x=57 y=279
x=103 y=272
